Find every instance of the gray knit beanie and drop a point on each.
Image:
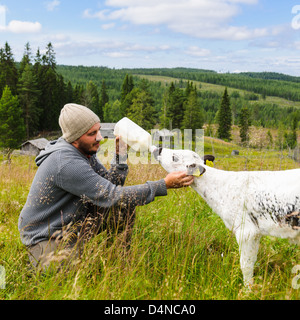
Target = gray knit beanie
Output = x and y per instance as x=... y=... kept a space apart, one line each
x=76 y=120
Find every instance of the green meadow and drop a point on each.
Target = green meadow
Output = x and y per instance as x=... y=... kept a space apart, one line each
x=180 y=249
x=220 y=90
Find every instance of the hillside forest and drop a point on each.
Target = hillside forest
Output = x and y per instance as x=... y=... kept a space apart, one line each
x=34 y=90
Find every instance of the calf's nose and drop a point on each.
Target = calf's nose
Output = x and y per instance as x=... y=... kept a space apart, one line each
x=195 y=170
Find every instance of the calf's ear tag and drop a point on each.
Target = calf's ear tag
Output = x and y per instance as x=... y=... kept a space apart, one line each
x=209 y=163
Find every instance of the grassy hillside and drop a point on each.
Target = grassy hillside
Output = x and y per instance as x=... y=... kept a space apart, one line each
x=267 y=84
x=272 y=99
x=180 y=248
x=220 y=90
x=114 y=79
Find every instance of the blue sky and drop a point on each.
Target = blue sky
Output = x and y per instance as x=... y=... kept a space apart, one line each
x=220 y=35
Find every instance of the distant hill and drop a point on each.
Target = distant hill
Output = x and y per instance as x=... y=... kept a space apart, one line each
x=271 y=76
x=272 y=98
x=263 y=83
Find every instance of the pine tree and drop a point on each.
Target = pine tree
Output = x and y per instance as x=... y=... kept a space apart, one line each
x=193 y=114
x=69 y=92
x=52 y=88
x=91 y=98
x=38 y=57
x=49 y=58
x=78 y=94
x=164 y=120
x=29 y=97
x=270 y=138
x=26 y=58
x=127 y=87
x=280 y=141
x=173 y=107
x=224 y=118
x=172 y=88
x=112 y=112
x=9 y=73
x=128 y=93
x=12 y=128
x=125 y=105
x=104 y=98
x=291 y=137
x=189 y=88
x=130 y=83
x=60 y=98
x=142 y=109
x=115 y=112
x=244 y=124
x=48 y=100
x=172 y=112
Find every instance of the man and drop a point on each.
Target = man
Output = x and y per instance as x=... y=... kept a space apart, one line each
x=74 y=197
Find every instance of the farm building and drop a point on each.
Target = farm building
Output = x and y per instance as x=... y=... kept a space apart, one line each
x=34 y=147
x=107 y=130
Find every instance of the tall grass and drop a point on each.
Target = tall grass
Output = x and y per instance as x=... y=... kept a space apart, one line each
x=180 y=249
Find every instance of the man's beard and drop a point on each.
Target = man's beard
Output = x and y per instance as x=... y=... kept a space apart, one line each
x=85 y=148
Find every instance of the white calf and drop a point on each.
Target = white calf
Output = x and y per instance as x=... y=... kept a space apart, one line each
x=251 y=204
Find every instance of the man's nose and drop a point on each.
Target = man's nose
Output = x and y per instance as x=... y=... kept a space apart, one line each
x=99 y=136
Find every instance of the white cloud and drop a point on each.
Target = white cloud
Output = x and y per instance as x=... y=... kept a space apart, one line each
x=197 y=18
x=99 y=15
x=83 y=45
x=282 y=63
x=108 y=26
x=117 y=54
x=16 y=26
x=164 y=47
x=239 y=71
x=197 y=52
x=59 y=37
x=120 y=3
x=2 y=16
x=297 y=45
x=51 y=6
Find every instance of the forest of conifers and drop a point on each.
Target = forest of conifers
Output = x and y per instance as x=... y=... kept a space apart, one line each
x=37 y=88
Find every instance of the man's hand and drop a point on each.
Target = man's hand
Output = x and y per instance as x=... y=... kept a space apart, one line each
x=176 y=180
x=121 y=147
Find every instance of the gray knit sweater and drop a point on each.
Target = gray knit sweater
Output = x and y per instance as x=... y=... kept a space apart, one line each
x=65 y=180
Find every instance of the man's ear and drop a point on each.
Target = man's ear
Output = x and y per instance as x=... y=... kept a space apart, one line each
x=75 y=143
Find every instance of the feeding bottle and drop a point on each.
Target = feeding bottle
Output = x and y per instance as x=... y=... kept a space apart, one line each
x=133 y=135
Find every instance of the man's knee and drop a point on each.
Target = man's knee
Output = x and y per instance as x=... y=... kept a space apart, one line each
x=52 y=252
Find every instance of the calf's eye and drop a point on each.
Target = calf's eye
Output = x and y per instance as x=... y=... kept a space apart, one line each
x=175 y=158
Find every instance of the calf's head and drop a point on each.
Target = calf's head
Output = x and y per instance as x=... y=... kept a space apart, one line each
x=181 y=160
